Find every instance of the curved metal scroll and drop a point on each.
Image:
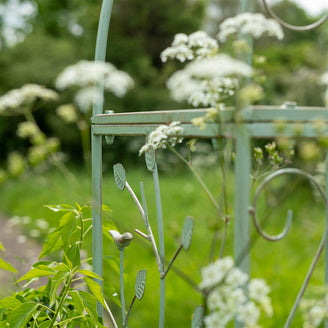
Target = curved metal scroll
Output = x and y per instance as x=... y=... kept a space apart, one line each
x=294 y=27
x=252 y=211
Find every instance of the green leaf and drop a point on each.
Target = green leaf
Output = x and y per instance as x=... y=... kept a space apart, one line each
x=35 y=273
x=7 y=266
x=1 y=247
x=105 y=208
x=187 y=230
x=9 y=303
x=95 y=290
x=198 y=317
x=61 y=208
x=73 y=254
x=119 y=176
x=89 y=273
x=45 y=324
x=52 y=243
x=21 y=315
x=77 y=300
x=150 y=159
x=140 y=284
x=90 y=304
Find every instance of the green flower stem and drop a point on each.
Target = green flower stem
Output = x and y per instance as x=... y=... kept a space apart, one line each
x=85 y=139
x=200 y=180
x=62 y=298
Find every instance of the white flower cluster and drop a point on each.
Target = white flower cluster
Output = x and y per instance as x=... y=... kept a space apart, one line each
x=17 y=100
x=163 y=135
x=87 y=74
x=255 y=25
x=212 y=92
x=314 y=311
x=197 y=45
x=228 y=297
x=188 y=84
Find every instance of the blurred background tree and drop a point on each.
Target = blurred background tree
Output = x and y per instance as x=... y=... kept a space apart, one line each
x=51 y=35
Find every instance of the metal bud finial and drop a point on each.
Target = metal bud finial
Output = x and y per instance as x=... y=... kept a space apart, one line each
x=121 y=241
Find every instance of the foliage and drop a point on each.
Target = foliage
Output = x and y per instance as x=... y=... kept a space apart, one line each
x=62 y=301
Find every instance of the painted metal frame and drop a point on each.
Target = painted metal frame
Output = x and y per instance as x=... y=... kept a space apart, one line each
x=253 y=122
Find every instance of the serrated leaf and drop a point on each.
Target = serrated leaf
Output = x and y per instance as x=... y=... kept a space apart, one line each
x=77 y=300
x=9 y=303
x=90 y=274
x=21 y=315
x=95 y=289
x=74 y=256
x=90 y=304
x=140 y=284
x=45 y=324
x=198 y=318
x=35 y=273
x=7 y=266
x=119 y=176
x=52 y=243
x=187 y=230
x=150 y=159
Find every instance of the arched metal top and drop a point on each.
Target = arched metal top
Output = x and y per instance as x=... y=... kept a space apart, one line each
x=294 y=27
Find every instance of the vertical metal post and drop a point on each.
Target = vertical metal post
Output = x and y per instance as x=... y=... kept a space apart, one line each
x=161 y=247
x=97 y=242
x=242 y=196
x=96 y=146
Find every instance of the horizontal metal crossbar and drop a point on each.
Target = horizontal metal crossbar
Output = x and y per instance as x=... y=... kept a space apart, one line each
x=251 y=114
x=213 y=130
x=260 y=121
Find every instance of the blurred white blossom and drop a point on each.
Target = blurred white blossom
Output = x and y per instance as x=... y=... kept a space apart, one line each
x=255 y=25
x=88 y=73
x=206 y=81
x=197 y=45
x=16 y=101
x=231 y=295
x=163 y=135
x=15 y=19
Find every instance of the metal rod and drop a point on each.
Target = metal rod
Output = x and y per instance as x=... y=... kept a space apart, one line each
x=122 y=285
x=161 y=246
x=97 y=242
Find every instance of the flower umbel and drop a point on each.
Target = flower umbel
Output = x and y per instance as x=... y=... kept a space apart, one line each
x=162 y=136
x=197 y=45
x=226 y=287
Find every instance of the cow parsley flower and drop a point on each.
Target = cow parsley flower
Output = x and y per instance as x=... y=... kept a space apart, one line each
x=86 y=75
x=162 y=136
x=255 y=25
x=197 y=45
x=207 y=81
x=230 y=294
x=16 y=101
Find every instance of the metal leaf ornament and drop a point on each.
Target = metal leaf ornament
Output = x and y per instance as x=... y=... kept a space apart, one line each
x=187 y=230
x=150 y=159
x=119 y=176
x=140 y=284
x=121 y=241
x=197 y=318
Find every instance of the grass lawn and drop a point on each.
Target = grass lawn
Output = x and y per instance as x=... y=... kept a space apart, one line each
x=283 y=264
